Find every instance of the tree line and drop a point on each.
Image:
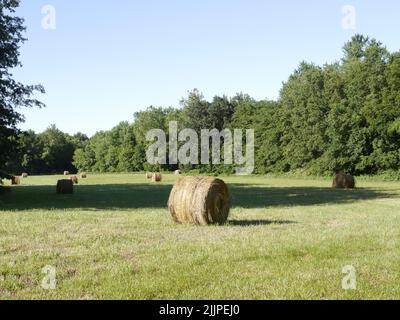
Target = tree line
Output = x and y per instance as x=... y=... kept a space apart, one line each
x=49 y=152
x=339 y=116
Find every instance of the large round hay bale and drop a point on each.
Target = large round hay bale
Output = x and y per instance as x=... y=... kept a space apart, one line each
x=200 y=201
x=156 y=177
x=344 y=181
x=74 y=179
x=24 y=175
x=65 y=186
x=66 y=173
x=83 y=175
x=149 y=175
x=15 y=181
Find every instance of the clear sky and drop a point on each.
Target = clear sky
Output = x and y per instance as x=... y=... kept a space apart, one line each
x=107 y=59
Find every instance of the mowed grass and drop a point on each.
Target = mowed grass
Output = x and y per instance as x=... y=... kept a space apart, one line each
x=285 y=239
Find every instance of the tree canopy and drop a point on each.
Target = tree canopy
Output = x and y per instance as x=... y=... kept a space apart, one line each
x=13 y=95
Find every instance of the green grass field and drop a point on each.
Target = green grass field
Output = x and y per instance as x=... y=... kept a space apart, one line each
x=285 y=239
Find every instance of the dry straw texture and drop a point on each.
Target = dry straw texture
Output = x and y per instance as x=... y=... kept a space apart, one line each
x=200 y=201
x=74 y=179
x=15 y=181
x=344 y=181
x=24 y=175
x=65 y=186
x=157 y=177
x=149 y=175
x=66 y=173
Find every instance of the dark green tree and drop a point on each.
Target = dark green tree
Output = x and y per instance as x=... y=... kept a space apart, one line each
x=58 y=150
x=13 y=95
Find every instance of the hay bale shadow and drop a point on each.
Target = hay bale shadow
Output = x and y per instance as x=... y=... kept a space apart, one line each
x=252 y=223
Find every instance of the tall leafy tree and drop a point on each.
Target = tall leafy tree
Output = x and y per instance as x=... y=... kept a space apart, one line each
x=13 y=95
x=58 y=150
x=302 y=116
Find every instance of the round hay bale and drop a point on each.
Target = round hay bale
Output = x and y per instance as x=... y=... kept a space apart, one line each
x=178 y=172
x=74 y=179
x=15 y=181
x=66 y=173
x=83 y=175
x=149 y=175
x=65 y=186
x=24 y=175
x=156 y=177
x=344 y=181
x=200 y=201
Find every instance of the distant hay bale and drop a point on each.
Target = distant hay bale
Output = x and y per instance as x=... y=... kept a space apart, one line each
x=15 y=181
x=149 y=175
x=24 y=175
x=83 y=175
x=156 y=177
x=344 y=181
x=66 y=173
x=74 y=179
x=65 y=186
x=178 y=172
x=200 y=201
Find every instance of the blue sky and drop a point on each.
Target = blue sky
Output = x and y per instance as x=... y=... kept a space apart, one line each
x=107 y=59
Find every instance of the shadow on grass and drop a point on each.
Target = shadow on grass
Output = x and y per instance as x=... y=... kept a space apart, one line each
x=247 y=196
x=250 y=223
x=131 y=196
